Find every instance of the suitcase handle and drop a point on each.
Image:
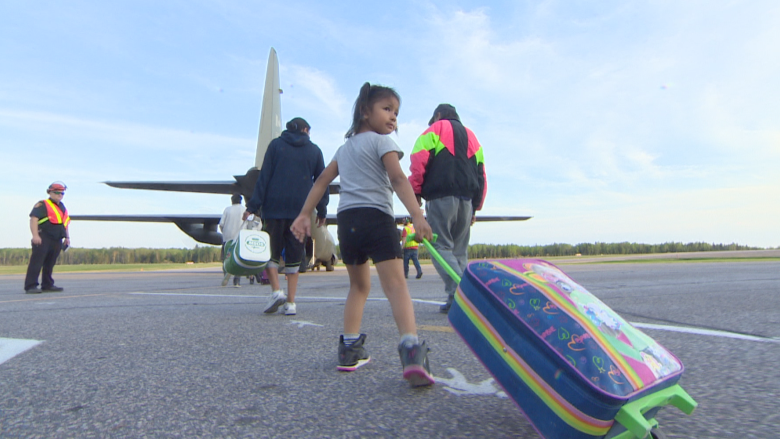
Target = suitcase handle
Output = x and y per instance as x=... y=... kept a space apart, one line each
x=631 y=415
x=437 y=256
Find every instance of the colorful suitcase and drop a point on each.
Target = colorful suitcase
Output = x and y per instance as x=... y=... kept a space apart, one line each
x=246 y=255
x=573 y=366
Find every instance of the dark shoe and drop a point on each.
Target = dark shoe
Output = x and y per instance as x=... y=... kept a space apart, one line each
x=53 y=289
x=354 y=356
x=419 y=275
x=444 y=309
x=414 y=360
x=35 y=290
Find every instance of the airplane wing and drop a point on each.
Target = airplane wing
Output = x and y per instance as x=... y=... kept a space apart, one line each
x=240 y=186
x=203 y=228
x=399 y=219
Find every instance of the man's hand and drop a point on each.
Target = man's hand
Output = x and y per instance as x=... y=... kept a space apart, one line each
x=419 y=199
x=473 y=218
x=246 y=215
x=321 y=221
x=37 y=240
x=66 y=242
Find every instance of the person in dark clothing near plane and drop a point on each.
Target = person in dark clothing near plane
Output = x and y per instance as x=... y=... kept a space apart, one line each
x=448 y=170
x=49 y=222
x=291 y=164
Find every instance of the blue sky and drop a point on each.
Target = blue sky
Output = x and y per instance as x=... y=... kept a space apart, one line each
x=610 y=121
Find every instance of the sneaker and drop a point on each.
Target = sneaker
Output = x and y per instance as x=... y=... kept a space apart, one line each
x=35 y=290
x=277 y=299
x=444 y=309
x=354 y=356
x=419 y=275
x=288 y=309
x=52 y=289
x=414 y=360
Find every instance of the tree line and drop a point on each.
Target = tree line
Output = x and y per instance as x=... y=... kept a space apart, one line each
x=120 y=255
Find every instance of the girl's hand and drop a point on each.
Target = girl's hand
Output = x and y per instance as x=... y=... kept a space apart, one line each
x=422 y=228
x=301 y=227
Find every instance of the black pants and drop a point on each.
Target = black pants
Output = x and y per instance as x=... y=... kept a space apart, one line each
x=43 y=256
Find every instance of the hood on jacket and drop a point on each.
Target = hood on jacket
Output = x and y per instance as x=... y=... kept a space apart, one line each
x=295 y=138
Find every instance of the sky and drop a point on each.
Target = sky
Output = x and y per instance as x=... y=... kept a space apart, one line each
x=609 y=121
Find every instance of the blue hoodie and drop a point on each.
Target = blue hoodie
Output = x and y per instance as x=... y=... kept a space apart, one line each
x=291 y=164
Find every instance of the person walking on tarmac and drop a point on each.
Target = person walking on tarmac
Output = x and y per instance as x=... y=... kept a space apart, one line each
x=448 y=170
x=410 y=249
x=49 y=222
x=230 y=225
x=291 y=164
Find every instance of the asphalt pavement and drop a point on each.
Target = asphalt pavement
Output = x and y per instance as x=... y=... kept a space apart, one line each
x=174 y=354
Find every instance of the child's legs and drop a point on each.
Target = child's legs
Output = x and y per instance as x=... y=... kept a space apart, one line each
x=394 y=286
x=359 y=287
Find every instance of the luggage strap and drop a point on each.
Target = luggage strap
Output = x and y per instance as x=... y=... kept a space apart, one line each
x=436 y=255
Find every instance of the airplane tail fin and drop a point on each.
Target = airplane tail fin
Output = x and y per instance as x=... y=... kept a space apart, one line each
x=271 y=112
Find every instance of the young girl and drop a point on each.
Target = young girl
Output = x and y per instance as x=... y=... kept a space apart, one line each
x=370 y=170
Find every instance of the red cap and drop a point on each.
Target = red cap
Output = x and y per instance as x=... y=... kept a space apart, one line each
x=57 y=186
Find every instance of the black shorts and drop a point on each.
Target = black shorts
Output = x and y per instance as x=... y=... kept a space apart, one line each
x=367 y=232
x=282 y=238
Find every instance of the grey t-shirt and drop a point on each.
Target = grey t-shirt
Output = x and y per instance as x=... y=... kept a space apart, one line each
x=362 y=174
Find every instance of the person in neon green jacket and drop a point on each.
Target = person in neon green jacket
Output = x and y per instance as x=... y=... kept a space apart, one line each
x=448 y=170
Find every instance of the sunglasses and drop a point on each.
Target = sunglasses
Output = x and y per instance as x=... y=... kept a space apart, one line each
x=58 y=193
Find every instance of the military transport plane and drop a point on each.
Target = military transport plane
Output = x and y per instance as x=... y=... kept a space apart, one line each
x=321 y=249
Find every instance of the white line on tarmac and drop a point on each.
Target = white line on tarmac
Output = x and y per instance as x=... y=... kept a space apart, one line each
x=11 y=347
x=700 y=331
x=683 y=329
x=265 y=297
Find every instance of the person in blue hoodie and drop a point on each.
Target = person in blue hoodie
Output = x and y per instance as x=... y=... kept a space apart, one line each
x=291 y=164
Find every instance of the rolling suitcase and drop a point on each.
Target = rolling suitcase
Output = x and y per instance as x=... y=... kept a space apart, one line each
x=573 y=366
x=246 y=255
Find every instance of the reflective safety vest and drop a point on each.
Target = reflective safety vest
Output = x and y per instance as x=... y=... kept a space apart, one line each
x=408 y=243
x=55 y=214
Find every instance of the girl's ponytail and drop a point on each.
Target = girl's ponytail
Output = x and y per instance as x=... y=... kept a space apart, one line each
x=357 y=111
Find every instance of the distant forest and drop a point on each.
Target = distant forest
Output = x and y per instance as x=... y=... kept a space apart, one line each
x=120 y=255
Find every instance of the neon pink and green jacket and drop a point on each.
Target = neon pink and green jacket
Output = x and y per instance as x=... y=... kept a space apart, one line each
x=447 y=161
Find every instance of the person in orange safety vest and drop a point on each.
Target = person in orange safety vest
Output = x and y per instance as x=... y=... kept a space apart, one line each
x=49 y=222
x=410 y=249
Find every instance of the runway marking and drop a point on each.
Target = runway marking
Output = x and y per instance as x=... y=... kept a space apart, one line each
x=302 y=323
x=459 y=385
x=701 y=331
x=33 y=299
x=265 y=297
x=682 y=329
x=11 y=347
x=435 y=328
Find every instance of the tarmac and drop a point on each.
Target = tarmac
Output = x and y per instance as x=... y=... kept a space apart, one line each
x=173 y=354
